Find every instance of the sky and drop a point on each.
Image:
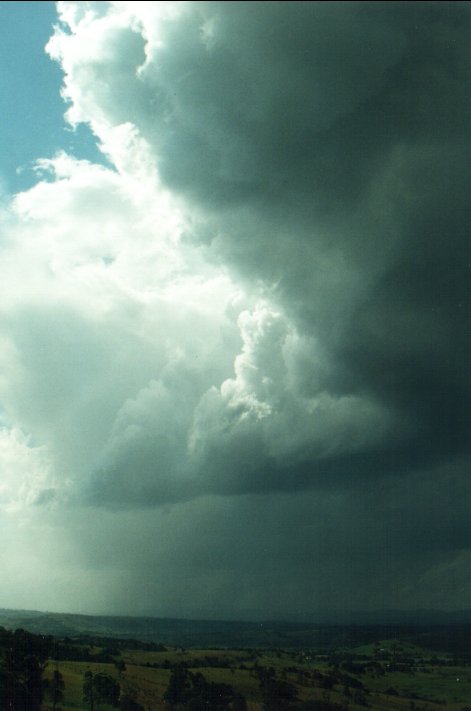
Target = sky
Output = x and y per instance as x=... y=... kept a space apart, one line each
x=33 y=122
x=234 y=308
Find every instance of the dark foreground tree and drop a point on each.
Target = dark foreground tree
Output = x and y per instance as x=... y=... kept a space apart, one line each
x=178 y=686
x=100 y=689
x=88 y=690
x=120 y=667
x=57 y=687
x=22 y=661
x=322 y=705
x=128 y=704
x=12 y=692
x=107 y=689
x=193 y=693
x=277 y=695
x=239 y=703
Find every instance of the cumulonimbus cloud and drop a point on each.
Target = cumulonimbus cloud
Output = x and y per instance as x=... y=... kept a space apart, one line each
x=266 y=290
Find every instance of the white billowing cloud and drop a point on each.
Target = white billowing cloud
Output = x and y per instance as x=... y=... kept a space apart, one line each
x=216 y=90
x=24 y=470
x=99 y=296
x=146 y=32
x=178 y=438
x=121 y=349
x=263 y=408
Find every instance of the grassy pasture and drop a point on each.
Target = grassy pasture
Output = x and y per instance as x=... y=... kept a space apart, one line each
x=428 y=687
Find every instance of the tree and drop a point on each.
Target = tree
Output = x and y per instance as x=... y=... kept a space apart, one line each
x=178 y=686
x=24 y=665
x=128 y=704
x=192 y=692
x=120 y=667
x=12 y=692
x=57 y=687
x=33 y=682
x=100 y=689
x=107 y=689
x=276 y=695
x=88 y=690
x=239 y=703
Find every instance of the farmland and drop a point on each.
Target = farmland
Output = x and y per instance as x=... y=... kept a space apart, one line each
x=314 y=668
x=385 y=675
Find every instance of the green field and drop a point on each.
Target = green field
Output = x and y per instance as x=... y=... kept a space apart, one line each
x=412 y=669
x=383 y=676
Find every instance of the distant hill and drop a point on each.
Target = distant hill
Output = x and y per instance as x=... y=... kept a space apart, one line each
x=435 y=630
x=391 y=617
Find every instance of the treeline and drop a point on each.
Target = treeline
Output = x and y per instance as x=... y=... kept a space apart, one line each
x=101 y=650
x=75 y=653
x=188 y=691
x=208 y=661
x=114 y=645
x=23 y=658
x=191 y=692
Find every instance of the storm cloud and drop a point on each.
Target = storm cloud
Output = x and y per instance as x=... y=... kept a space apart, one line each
x=235 y=361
